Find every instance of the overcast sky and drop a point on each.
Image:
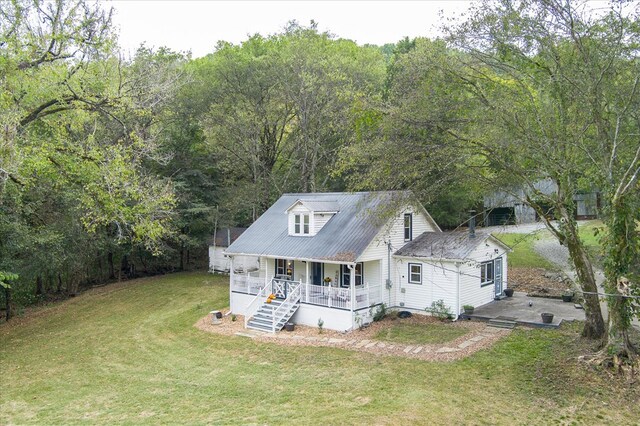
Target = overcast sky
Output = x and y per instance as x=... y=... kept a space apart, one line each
x=198 y=25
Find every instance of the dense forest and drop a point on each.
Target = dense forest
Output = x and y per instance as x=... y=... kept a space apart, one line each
x=114 y=167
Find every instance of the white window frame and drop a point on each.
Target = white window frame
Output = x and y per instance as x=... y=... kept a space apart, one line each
x=346 y=272
x=301 y=224
x=484 y=275
x=419 y=273
x=405 y=227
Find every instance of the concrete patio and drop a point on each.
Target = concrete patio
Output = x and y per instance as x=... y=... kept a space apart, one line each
x=517 y=309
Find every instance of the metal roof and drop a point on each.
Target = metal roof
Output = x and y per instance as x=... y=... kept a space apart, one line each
x=317 y=205
x=342 y=239
x=445 y=245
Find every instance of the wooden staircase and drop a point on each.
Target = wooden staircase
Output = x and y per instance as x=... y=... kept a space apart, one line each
x=263 y=319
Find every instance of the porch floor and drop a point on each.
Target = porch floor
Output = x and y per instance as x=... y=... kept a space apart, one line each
x=517 y=307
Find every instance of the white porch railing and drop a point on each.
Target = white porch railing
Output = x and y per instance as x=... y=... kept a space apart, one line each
x=250 y=283
x=256 y=302
x=293 y=291
x=340 y=297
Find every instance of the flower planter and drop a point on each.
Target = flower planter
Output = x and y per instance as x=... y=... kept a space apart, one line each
x=508 y=292
x=567 y=298
x=547 y=318
x=289 y=326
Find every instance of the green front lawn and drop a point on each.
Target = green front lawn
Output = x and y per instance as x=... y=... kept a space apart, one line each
x=129 y=353
x=420 y=334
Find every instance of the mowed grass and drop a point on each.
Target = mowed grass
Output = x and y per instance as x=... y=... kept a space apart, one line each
x=420 y=334
x=523 y=254
x=128 y=353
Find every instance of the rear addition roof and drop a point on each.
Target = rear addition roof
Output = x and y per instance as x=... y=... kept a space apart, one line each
x=452 y=245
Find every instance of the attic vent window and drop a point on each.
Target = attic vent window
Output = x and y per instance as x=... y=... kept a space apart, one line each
x=301 y=224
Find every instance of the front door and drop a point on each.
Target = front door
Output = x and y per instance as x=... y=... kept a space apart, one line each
x=316 y=273
x=498 y=276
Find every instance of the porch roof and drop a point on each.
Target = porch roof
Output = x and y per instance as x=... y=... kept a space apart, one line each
x=342 y=239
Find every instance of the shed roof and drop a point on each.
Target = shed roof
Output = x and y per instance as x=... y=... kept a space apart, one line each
x=225 y=236
x=453 y=245
x=342 y=239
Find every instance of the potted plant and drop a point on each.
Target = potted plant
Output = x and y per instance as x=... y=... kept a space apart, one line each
x=327 y=280
x=567 y=296
x=547 y=317
x=468 y=309
x=289 y=326
x=508 y=292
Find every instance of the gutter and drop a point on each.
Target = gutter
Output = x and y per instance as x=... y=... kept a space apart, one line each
x=301 y=259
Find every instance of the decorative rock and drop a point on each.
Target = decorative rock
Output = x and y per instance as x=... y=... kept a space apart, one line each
x=417 y=350
x=477 y=338
x=370 y=345
x=446 y=350
x=408 y=349
x=466 y=344
x=382 y=345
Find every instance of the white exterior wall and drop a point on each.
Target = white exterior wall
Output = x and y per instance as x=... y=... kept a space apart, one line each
x=319 y=220
x=439 y=282
x=394 y=232
x=218 y=262
x=471 y=293
x=334 y=319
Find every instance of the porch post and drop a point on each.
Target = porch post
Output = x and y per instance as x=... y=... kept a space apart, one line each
x=352 y=286
x=266 y=272
x=306 y=283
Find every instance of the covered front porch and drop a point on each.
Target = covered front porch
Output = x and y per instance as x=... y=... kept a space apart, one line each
x=345 y=286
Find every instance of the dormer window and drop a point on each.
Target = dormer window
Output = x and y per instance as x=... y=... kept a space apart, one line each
x=301 y=224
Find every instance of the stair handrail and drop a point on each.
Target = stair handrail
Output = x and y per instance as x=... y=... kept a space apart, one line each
x=293 y=297
x=256 y=302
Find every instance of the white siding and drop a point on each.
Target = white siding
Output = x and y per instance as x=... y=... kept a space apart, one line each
x=438 y=283
x=299 y=209
x=471 y=293
x=318 y=221
x=334 y=319
x=218 y=262
x=394 y=232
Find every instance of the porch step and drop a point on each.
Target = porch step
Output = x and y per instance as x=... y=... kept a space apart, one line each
x=502 y=323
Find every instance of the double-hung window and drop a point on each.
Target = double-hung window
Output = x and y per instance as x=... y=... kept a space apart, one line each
x=301 y=224
x=486 y=273
x=284 y=267
x=415 y=273
x=346 y=275
x=408 y=227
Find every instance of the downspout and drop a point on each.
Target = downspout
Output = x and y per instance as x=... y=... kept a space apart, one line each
x=457 y=291
x=389 y=270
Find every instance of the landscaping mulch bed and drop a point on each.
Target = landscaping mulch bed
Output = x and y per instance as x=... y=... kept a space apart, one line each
x=478 y=336
x=538 y=282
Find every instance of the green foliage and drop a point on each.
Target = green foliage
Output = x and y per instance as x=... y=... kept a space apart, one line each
x=378 y=313
x=440 y=310
x=320 y=325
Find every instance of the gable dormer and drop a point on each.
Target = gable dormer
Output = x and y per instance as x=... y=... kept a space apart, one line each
x=307 y=217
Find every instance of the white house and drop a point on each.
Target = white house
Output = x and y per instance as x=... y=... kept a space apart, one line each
x=334 y=256
x=219 y=261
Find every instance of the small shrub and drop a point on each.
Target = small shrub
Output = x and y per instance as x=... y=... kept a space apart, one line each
x=380 y=313
x=467 y=307
x=359 y=321
x=439 y=310
x=320 y=325
x=234 y=317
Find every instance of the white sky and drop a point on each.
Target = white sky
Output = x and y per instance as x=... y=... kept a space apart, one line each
x=198 y=25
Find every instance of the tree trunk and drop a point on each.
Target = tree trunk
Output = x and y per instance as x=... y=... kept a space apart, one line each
x=621 y=247
x=112 y=272
x=182 y=256
x=39 y=286
x=59 y=289
x=594 y=327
